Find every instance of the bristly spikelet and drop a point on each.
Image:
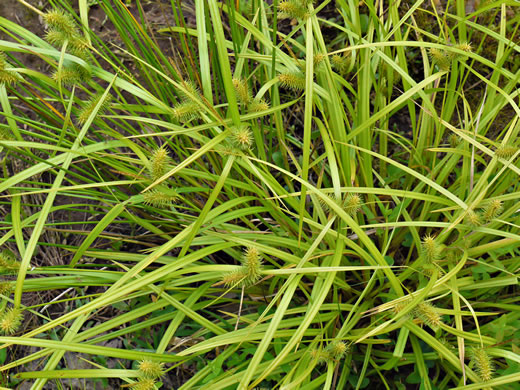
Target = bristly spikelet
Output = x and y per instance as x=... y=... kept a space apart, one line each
x=258 y=105
x=85 y=113
x=318 y=59
x=5 y=133
x=506 y=151
x=190 y=91
x=71 y=75
x=483 y=364
x=7 y=76
x=428 y=314
x=492 y=210
x=292 y=80
x=441 y=58
x=159 y=199
x=465 y=46
x=296 y=9
x=8 y=262
x=10 y=321
x=143 y=384
x=248 y=273
x=252 y=262
x=158 y=163
x=341 y=62
x=241 y=137
x=186 y=111
x=430 y=249
x=235 y=277
x=454 y=140
x=336 y=350
x=151 y=369
x=473 y=218
x=352 y=204
x=6 y=288
x=242 y=91
x=60 y=21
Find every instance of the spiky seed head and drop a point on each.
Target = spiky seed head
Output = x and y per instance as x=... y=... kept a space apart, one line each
x=428 y=314
x=242 y=91
x=465 y=46
x=86 y=111
x=352 y=204
x=151 y=369
x=252 y=262
x=72 y=75
x=10 y=321
x=159 y=199
x=492 y=210
x=454 y=140
x=6 y=288
x=258 y=105
x=184 y=112
x=483 y=364
x=430 y=249
x=8 y=262
x=241 y=137
x=60 y=21
x=341 y=62
x=144 y=384
x=473 y=218
x=441 y=58
x=234 y=278
x=292 y=9
x=190 y=89
x=7 y=76
x=158 y=163
x=336 y=350
x=318 y=59
x=292 y=80
x=400 y=306
x=506 y=151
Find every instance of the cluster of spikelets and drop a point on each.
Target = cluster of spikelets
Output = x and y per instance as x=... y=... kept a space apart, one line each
x=245 y=97
x=332 y=353
x=241 y=137
x=444 y=58
x=7 y=76
x=483 y=364
x=506 y=151
x=342 y=62
x=188 y=108
x=8 y=262
x=10 y=319
x=488 y=212
x=89 y=107
x=248 y=273
x=149 y=372
x=351 y=204
x=294 y=81
x=426 y=312
x=62 y=30
x=160 y=197
x=296 y=9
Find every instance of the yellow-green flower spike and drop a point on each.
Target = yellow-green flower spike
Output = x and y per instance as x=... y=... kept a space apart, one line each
x=159 y=199
x=91 y=104
x=10 y=321
x=292 y=80
x=483 y=364
x=158 y=163
x=241 y=137
x=151 y=369
x=428 y=314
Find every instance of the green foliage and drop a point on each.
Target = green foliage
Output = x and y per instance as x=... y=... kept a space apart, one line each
x=364 y=154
